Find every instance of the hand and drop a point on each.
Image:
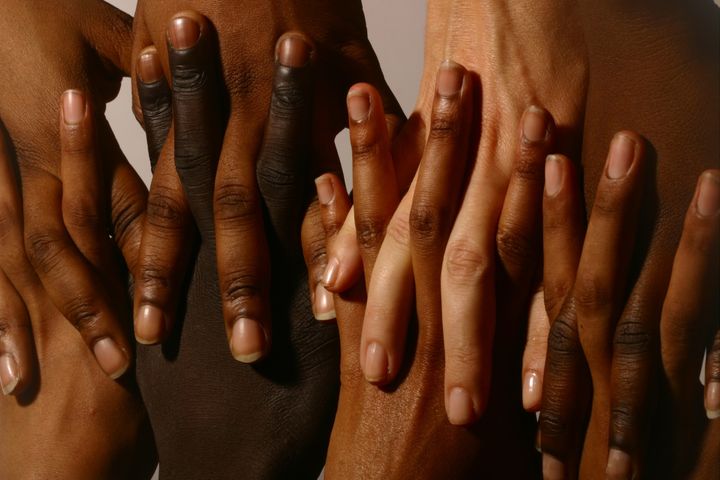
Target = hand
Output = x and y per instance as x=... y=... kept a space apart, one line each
x=85 y=48
x=577 y=275
x=339 y=36
x=66 y=415
x=202 y=402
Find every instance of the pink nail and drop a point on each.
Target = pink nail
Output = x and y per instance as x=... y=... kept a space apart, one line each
x=111 y=358
x=9 y=376
x=376 y=363
x=73 y=107
x=460 y=407
x=248 y=340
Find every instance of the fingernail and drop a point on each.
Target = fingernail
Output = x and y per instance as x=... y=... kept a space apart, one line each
x=324 y=304
x=712 y=400
x=535 y=124
x=149 y=325
x=461 y=410
x=553 y=175
x=149 y=67
x=184 y=33
x=553 y=469
x=532 y=391
x=358 y=105
x=325 y=190
x=9 y=376
x=449 y=78
x=708 y=201
x=376 y=363
x=622 y=155
x=111 y=359
x=248 y=340
x=619 y=466
x=73 y=107
x=331 y=273
x=293 y=51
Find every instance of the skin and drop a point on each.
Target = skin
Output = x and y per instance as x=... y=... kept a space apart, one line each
x=423 y=443
x=340 y=37
x=228 y=406
x=84 y=425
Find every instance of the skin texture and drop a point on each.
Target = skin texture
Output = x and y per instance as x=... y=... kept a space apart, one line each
x=83 y=424
x=273 y=419
x=248 y=48
x=401 y=430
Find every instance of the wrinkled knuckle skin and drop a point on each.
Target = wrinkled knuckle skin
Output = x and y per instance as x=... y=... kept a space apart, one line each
x=591 y=293
x=236 y=203
x=427 y=225
x=44 y=250
x=623 y=421
x=153 y=277
x=608 y=202
x=467 y=266
x=127 y=209
x=188 y=81
x=563 y=339
x=290 y=96
x=364 y=151
x=554 y=426
x=444 y=128
x=530 y=165
x=516 y=248
x=164 y=211
x=399 y=229
x=239 y=288
x=82 y=214
x=370 y=232
x=698 y=241
x=276 y=173
x=76 y=142
x=83 y=314
x=633 y=340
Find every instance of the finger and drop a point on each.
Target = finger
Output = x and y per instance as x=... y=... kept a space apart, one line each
x=198 y=117
x=535 y=353
x=284 y=163
x=375 y=201
x=563 y=231
x=165 y=253
x=601 y=277
x=155 y=101
x=315 y=253
x=690 y=311
x=345 y=266
x=83 y=203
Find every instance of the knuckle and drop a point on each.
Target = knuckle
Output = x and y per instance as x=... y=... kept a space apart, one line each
x=552 y=423
x=370 y=232
x=515 y=247
x=465 y=358
x=466 y=265
x=426 y=224
x=399 y=229
x=632 y=339
x=127 y=210
x=563 y=338
x=591 y=292
x=82 y=313
x=698 y=241
x=608 y=202
x=276 y=171
x=239 y=288
x=443 y=127
x=188 y=80
x=288 y=99
x=622 y=420
x=530 y=164
x=44 y=250
x=364 y=149
x=154 y=277
x=76 y=142
x=237 y=203
x=82 y=212
x=164 y=210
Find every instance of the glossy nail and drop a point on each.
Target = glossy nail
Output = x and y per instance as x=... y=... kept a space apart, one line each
x=619 y=466
x=184 y=33
x=149 y=325
x=325 y=190
x=324 y=306
x=358 y=105
x=449 y=79
x=331 y=273
x=553 y=175
x=248 y=340
x=622 y=155
x=460 y=407
x=9 y=376
x=532 y=391
x=293 y=51
x=708 y=200
x=149 y=67
x=73 y=107
x=535 y=124
x=712 y=400
x=376 y=363
x=111 y=358
x=553 y=469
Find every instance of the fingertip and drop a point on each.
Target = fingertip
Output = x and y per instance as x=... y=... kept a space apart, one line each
x=113 y=360
x=9 y=374
x=74 y=107
x=323 y=304
x=148 y=66
x=248 y=341
x=293 y=50
x=150 y=325
x=461 y=408
x=707 y=198
x=185 y=29
x=376 y=366
x=536 y=125
x=532 y=391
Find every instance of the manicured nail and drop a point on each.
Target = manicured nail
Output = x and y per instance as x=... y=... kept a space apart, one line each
x=184 y=33
x=535 y=124
x=553 y=469
x=73 y=107
x=324 y=305
x=376 y=363
x=708 y=200
x=248 y=340
x=358 y=105
x=532 y=391
x=712 y=400
x=449 y=78
x=325 y=190
x=622 y=155
x=331 y=273
x=9 y=376
x=149 y=325
x=293 y=51
x=111 y=359
x=619 y=466
x=553 y=175
x=460 y=408
x=149 y=67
